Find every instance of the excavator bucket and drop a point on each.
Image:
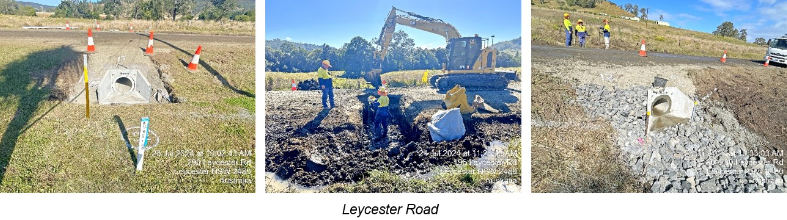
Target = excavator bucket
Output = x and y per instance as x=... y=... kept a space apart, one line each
x=373 y=77
x=456 y=98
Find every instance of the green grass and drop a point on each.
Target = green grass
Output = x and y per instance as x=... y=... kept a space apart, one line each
x=281 y=81
x=245 y=102
x=49 y=146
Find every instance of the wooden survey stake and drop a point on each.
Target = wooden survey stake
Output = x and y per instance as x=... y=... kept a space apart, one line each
x=143 y=140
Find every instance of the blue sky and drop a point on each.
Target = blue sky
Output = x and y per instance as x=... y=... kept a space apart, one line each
x=335 y=22
x=47 y=2
x=760 y=18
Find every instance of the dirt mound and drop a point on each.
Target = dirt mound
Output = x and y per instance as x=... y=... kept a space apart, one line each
x=309 y=84
x=757 y=99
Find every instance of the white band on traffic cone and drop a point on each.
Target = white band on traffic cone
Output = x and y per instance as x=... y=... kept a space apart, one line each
x=195 y=60
x=89 y=41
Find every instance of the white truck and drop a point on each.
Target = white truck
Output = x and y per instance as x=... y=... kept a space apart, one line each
x=777 y=50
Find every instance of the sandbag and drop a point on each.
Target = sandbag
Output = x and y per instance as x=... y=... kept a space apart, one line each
x=446 y=125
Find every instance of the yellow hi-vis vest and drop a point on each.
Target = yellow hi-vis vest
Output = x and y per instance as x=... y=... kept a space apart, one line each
x=567 y=23
x=323 y=73
x=383 y=100
x=580 y=28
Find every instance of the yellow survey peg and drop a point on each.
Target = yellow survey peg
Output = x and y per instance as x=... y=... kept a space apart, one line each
x=87 y=90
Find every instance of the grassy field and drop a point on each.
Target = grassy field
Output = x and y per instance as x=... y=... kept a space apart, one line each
x=48 y=145
x=191 y=27
x=279 y=81
x=547 y=28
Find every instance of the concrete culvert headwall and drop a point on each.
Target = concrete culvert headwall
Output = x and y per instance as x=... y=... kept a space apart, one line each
x=123 y=86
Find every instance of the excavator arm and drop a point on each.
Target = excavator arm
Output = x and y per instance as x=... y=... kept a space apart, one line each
x=431 y=25
x=409 y=19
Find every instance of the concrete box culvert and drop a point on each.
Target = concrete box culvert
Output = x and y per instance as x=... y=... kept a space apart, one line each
x=126 y=86
x=668 y=107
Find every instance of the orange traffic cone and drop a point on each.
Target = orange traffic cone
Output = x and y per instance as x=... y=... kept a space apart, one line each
x=195 y=61
x=642 y=51
x=384 y=84
x=149 y=50
x=90 y=47
x=98 y=26
x=131 y=28
x=293 y=85
x=767 y=61
x=68 y=26
x=724 y=57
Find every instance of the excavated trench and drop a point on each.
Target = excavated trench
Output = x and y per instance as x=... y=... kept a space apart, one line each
x=316 y=156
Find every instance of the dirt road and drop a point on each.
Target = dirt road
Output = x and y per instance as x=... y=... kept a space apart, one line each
x=608 y=87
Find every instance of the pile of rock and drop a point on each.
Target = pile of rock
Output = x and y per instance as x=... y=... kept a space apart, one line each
x=710 y=153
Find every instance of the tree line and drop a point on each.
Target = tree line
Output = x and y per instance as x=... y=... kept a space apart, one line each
x=139 y=9
x=357 y=57
x=11 y=7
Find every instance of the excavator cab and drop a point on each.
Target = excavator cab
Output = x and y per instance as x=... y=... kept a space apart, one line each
x=463 y=52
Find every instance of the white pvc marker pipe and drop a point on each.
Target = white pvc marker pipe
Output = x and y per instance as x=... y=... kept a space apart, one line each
x=143 y=140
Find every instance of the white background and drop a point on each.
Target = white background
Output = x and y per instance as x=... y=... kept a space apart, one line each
x=452 y=206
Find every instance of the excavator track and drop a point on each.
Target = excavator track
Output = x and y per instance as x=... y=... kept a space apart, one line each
x=471 y=81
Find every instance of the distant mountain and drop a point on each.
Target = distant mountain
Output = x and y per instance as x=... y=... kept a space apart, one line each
x=276 y=44
x=515 y=44
x=37 y=6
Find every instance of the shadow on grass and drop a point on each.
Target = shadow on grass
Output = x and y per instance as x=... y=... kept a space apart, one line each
x=18 y=83
x=207 y=67
x=130 y=149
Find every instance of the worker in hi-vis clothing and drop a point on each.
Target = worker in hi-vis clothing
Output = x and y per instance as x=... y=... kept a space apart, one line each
x=326 y=83
x=581 y=32
x=569 y=29
x=381 y=114
x=606 y=34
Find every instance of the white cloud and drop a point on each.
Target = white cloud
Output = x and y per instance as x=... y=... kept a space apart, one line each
x=769 y=20
x=727 y=5
x=288 y=39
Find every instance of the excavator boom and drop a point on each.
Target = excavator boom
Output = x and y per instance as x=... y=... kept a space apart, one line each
x=413 y=20
x=470 y=64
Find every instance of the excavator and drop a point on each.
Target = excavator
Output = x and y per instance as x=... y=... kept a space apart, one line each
x=471 y=60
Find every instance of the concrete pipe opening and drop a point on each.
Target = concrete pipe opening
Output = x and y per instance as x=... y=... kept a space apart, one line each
x=123 y=85
x=661 y=105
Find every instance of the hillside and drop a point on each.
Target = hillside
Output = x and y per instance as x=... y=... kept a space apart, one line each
x=514 y=45
x=602 y=6
x=546 y=29
x=37 y=6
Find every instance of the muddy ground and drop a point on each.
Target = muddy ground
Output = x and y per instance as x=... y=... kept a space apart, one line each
x=298 y=129
x=743 y=89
